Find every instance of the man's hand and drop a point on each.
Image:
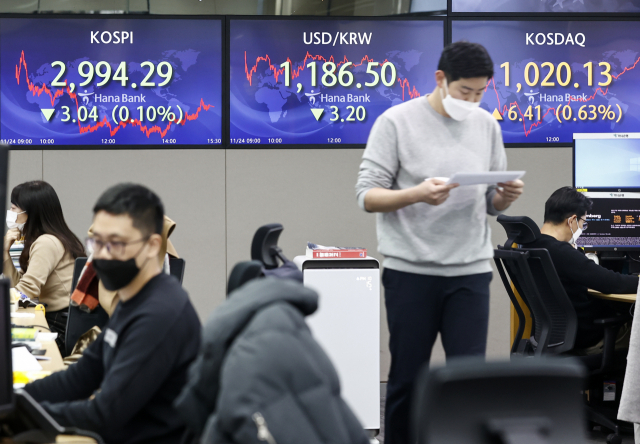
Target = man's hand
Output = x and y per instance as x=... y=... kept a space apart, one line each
x=9 y=238
x=433 y=191
x=507 y=193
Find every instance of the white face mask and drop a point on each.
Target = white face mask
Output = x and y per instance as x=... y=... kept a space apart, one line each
x=575 y=236
x=456 y=108
x=12 y=216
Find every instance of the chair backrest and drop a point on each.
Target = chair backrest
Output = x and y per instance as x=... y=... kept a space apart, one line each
x=264 y=247
x=176 y=267
x=77 y=271
x=534 y=276
x=78 y=321
x=524 y=401
x=520 y=229
x=243 y=272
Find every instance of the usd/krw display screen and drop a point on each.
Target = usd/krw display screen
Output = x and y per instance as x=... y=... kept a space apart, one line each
x=325 y=82
x=556 y=78
x=568 y=6
x=109 y=82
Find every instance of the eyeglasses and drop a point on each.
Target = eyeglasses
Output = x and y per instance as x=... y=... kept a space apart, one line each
x=585 y=224
x=114 y=248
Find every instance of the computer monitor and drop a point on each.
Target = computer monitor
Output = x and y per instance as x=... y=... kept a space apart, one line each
x=606 y=167
x=614 y=222
x=6 y=372
x=606 y=161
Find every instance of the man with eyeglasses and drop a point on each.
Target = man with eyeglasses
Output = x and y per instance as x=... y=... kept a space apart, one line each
x=565 y=214
x=124 y=385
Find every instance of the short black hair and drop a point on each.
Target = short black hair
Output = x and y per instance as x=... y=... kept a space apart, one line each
x=564 y=203
x=465 y=60
x=138 y=202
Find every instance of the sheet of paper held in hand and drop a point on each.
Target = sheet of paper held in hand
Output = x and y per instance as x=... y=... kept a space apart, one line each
x=488 y=178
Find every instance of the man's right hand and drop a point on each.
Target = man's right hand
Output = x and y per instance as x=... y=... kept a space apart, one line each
x=11 y=236
x=433 y=191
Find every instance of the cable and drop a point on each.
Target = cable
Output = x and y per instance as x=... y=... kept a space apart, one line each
x=80 y=432
x=38 y=326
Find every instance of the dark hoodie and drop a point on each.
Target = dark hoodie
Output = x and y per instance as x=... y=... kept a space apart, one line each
x=258 y=361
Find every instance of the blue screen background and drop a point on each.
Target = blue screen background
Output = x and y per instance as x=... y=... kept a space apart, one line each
x=607 y=163
x=192 y=47
x=617 y=43
x=265 y=108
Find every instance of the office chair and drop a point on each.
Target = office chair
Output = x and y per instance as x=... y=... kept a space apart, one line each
x=176 y=267
x=78 y=321
x=264 y=254
x=555 y=323
x=522 y=401
x=534 y=277
x=264 y=247
x=242 y=273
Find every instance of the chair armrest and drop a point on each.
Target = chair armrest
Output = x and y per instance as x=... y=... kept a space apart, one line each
x=611 y=328
x=608 y=322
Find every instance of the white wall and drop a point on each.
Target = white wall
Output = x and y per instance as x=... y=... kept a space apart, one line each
x=220 y=197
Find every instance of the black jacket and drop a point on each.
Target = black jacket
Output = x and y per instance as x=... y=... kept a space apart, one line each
x=136 y=368
x=258 y=361
x=578 y=274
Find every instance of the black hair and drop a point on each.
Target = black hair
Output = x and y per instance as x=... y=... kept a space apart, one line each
x=40 y=201
x=465 y=60
x=564 y=203
x=141 y=204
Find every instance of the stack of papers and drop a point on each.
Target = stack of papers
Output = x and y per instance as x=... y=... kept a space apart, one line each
x=486 y=178
x=23 y=361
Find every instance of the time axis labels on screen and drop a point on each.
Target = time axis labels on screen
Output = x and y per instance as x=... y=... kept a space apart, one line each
x=325 y=82
x=110 y=82
x=557 y=78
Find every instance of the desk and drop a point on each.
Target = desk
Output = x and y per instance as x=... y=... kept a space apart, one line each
x=629 y=298
x=62 y=439
x=55 y=364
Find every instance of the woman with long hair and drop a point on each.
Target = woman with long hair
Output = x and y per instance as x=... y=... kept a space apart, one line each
x=50 y=250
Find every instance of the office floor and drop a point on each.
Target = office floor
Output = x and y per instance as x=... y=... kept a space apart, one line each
x=593 y=437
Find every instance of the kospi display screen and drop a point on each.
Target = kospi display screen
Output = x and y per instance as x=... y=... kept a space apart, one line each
x=325 y=81
x=556 y=78
x=110 y=82
x=524 y=6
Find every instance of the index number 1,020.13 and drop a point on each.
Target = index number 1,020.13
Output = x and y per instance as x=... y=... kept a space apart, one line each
x=563 y=73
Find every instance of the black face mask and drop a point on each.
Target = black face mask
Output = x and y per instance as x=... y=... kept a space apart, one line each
x=115 y=274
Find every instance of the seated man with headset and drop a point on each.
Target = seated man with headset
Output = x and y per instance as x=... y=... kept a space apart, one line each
x=564 y=220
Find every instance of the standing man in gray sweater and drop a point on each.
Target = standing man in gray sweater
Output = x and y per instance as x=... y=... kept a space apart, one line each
x=435 y=238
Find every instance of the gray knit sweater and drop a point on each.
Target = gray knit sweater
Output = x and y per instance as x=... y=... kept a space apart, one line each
x=630 y=401
x=411 y=142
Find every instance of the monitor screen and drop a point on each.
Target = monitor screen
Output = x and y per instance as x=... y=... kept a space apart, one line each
x=324 y=82
x=6 y=371
x=614 y=222
x=560 y=77
x=110 y=82
x=524 y=6
x=608 y=162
